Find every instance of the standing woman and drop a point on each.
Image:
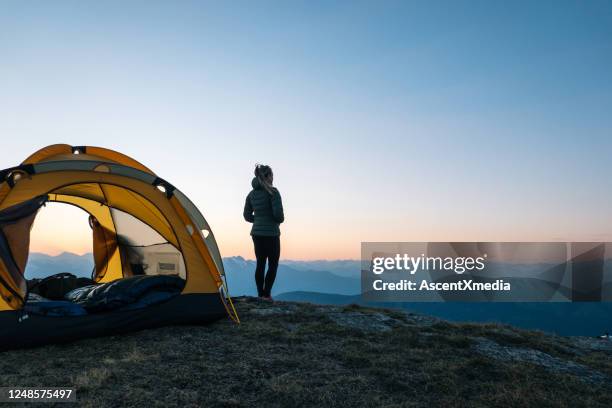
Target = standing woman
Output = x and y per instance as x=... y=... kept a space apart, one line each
x=264 y=208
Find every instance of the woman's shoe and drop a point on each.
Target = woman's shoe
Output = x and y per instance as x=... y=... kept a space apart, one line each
x=268 y=298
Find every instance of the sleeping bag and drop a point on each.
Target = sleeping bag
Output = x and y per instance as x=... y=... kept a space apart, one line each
x=139 y=291
x=41 y=306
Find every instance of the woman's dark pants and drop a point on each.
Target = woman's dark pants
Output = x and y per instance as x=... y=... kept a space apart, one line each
x=266 y=249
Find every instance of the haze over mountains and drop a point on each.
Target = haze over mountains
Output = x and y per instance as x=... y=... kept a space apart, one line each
x=42 y=265
x=338 y=282
x=295 y=275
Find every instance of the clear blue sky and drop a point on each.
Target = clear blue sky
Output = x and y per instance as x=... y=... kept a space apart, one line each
x=383 y=120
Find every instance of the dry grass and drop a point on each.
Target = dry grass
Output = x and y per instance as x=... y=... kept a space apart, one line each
x=294 y=355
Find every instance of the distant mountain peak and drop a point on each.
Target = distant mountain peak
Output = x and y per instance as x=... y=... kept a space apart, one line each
x=234 y=258
x=66 y=253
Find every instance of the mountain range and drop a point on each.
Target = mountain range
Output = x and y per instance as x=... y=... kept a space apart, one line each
x=43 y=265
x=292 y=276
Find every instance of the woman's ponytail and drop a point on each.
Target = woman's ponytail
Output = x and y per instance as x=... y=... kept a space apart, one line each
x=264 y=176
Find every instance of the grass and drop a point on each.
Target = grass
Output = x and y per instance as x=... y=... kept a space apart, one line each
x=303 y=357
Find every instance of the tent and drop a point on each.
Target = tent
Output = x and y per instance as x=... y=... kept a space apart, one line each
x=141 y=225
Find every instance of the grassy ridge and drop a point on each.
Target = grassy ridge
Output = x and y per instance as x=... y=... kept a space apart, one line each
x=291 y=354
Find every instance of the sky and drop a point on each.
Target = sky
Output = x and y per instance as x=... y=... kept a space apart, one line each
x=383 y=120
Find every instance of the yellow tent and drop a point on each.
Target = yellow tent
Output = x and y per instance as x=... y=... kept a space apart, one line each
x=120 y=194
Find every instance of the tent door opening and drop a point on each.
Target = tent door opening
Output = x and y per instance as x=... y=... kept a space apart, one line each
x=60 y=242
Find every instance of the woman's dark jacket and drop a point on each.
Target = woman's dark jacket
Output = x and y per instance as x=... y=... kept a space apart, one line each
x=264 y=210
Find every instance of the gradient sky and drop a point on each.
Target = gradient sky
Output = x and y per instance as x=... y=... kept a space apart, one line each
x=383 y=120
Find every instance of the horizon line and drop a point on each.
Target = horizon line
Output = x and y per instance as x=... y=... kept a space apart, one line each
x=229 y=256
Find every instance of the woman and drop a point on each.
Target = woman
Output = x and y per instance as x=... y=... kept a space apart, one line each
x=264 y=208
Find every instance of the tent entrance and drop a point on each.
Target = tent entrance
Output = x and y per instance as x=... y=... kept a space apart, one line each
x=127 y=246
x=130 y=236
x=60 y=241
x=132 y=267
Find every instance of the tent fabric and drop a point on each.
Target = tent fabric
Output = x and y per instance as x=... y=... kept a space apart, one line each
x=15 y=224
x=60 y=151
x=130 y=208
x=104 y=248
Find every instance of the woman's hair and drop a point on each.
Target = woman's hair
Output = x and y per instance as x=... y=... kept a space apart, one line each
x=263 y=173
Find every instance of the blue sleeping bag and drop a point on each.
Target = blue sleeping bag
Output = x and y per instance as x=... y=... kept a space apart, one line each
x=39 y=305
x=136 y=291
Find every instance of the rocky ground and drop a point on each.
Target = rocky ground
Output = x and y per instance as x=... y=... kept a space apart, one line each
x=297 y=354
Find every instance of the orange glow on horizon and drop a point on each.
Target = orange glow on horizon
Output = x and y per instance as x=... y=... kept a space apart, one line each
x=62 y=228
